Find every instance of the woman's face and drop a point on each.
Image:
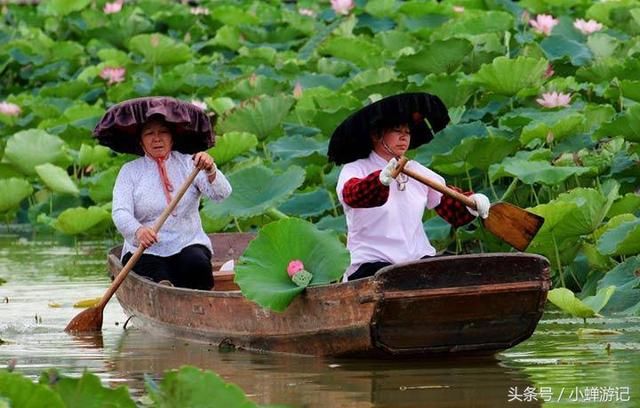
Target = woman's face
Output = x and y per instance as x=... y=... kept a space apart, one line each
x=394 y=142
x=156 y=139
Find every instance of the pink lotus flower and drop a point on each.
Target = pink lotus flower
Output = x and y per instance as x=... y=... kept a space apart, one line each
x=587 y=27
x=297 y=91
x=543 y=24
x=294 y=267
x=113 y=75
x=9 y=109
x=114 y=7
x=554 y=99
x=342 y=6
x=199 y=104
x=307 y=12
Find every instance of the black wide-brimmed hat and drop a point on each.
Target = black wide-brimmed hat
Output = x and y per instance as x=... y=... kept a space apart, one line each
x=121 y=125
x=424 y=113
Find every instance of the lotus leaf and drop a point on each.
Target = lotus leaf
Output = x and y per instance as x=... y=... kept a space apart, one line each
x=308 y=204
x=507 y=76
x=232 y=145
x=559 y=47
x=565 y=300
x=262 y=271
x=101 y=185
x=474 y=152
x=65 y=7
x=74 y=221
x=533 y=171
x=297 y=146
x=569 y=124
x=256 y=189
x=30 y=148
x=258 y=116
x=438 y=57
x=626 y=125
x=158 y=49
x=395 y=41
x=57 y=179
x=93 y=155
x=14 y=190
x=447 y=140
x=629 y=203
x=86 y=391
x=211 y=225
x=331 y=223
x=360 y=51
x=475 y=23
x=626 y=279
x=193 y=387
x=621 y=240
x=452 y=89
x=9 y=171
x=23 y=392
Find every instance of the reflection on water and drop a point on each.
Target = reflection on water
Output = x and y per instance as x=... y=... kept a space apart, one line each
x=41 y=275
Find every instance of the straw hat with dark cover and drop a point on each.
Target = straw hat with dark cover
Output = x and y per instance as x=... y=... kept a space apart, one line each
x=425 y=114
x=121 y=125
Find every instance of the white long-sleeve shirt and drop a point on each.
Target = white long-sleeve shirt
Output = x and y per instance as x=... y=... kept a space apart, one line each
x=392 y=232
x=138 y=200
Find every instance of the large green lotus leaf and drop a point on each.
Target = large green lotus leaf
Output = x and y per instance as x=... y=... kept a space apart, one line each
x=627 y=282
x=74 y=221
x=262 y=270
x=21 y=391
x=452 y=89
x=231 y=145
x=621 y=240
x=475 y=23
x=565 y=300
x=14 y=190
x=626 y=125
x=256 y=189
x=29 y=148
x=613 y=223
x=565 y=126
x=601 y=298
x=9 y=171
x=193 y=387
x=159 y=49
x=447 y=139
x=297 y=146
x=87 y=391
x=629 y=203
x=211 y=225
x=65 y=7
x=358 y=50
x=101 y=185
x=259 y=116
x=370 y=78
x=234 y=16
x=557 y=47
x=57 y=179
x=395 y=40
x=436 y=57
x=332 y=223
x=533 y=171
x=308 y=204
x=93 y=155
x=602 y=45
x=592 y=207
x=474 y=152
x=507 y=76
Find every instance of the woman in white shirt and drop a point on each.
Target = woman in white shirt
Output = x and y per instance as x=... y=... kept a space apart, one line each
x=172 y=137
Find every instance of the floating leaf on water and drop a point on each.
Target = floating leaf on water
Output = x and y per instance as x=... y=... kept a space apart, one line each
x=597 y=332
x=84 y=303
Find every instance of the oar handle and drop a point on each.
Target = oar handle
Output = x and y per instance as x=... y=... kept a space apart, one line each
x=156 y=227
x=435 y=185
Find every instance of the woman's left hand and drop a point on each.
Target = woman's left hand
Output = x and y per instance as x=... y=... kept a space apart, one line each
x=203 y=161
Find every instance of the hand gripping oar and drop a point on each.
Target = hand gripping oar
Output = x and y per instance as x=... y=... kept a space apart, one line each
x=90 y=320
x=512 y=224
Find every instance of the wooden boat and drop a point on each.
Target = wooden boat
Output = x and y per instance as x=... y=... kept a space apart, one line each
x=468 y=304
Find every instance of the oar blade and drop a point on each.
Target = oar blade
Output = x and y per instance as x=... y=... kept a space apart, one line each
x=87 y=321
x=515 y=226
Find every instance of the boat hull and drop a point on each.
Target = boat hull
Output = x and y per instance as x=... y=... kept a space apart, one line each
x=470 y=304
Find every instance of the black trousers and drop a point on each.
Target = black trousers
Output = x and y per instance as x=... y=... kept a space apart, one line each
x=189 y=268
x=370 y=268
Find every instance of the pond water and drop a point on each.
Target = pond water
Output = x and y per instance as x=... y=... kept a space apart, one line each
x=556 y=367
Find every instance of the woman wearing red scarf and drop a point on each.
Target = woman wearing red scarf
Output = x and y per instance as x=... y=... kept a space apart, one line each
x=171 y=137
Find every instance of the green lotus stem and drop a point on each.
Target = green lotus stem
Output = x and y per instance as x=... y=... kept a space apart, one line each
x=510 y=189
x=557 y=252
x=466 y=170
x=535 y=195
x=276 y=214
x=266 y=151
x=235 y=221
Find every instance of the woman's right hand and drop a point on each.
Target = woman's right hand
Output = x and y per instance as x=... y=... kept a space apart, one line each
x=146 y=237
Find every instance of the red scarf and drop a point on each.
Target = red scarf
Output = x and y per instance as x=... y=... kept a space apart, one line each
x=164 y=179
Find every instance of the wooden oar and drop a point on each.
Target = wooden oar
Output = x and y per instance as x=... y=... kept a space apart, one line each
x=90 y=320
x=512 y=224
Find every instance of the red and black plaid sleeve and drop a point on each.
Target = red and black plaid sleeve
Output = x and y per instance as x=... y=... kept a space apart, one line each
x=366 y=192
x=453 y=211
